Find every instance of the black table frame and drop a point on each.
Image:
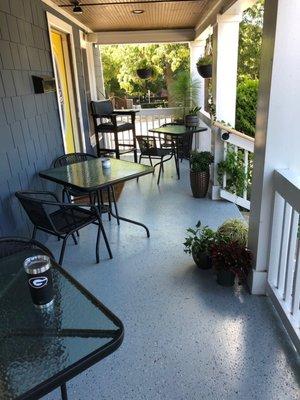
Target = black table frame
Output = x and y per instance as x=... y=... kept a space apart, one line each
x=60 y=379
x=97 y=189
x=176 y=137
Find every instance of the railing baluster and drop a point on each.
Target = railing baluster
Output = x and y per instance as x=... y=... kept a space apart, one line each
x=224 y=157
x=246 y=166
x=296 y=291
x=284 y=247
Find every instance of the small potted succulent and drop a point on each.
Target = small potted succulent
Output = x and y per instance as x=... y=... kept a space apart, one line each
x=204 y=66
x=231 y=259
x=144 y=70
x=199 y=172
x=192 y=118
x=198 y=243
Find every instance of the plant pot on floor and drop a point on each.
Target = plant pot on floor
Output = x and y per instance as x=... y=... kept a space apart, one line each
x=205 y=70
x=199 y=183
x=144 y=73
x=202 y=260
x=225 y=278
x=191 y=120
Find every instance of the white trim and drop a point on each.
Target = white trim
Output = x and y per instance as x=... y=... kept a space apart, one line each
x=143 y=36
x=55 y=22
x=233 y=198
x=66 y=15
x=91 y=65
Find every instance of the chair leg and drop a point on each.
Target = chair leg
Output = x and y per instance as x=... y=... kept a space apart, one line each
x=97 y=244
x=162 y=165
x=33 y=233
x=160 y=169
x=105 y=239
x=109 y=203
x=115 y=204
x=62 y=251
x=63 y=390
x=150 y=159
x=74 y=238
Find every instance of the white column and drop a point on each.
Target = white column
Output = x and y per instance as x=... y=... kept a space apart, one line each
x=277 y=140
x=197 y=49
x=99 y=73
x=225 y=57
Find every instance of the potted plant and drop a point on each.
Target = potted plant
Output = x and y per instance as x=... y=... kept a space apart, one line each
x=183 y=94
x=192 y=119
x=199 y=172
x=144 y=70
x=230 y=259
x=233 y=230
x=198 y=243
x=204 y=66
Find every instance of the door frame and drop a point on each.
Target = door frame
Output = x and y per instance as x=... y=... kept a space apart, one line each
x=55 y=23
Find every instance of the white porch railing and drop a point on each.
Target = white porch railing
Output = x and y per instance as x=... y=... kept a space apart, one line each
x=225 y=140
x=284 y=251
x=146 y=118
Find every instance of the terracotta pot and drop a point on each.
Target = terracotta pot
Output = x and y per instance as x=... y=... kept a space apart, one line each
x=202 y=260
x=225 y=278
x=199 y=183
x=205 y=70
x=144 y=73
x=191 y=120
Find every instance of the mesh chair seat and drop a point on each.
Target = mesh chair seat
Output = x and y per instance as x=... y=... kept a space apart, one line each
x=69 y=219
x=12 y=245
x=108 y=127
x=157 y=152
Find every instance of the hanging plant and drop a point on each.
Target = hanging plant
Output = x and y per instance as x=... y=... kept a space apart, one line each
x=204 y=66
x=144 y=70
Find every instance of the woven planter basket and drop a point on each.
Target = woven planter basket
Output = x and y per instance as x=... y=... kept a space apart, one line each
x=199 y=183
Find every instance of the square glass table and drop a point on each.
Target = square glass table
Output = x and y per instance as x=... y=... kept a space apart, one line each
x=42 y=349
x=89 y=176
x=177 y=132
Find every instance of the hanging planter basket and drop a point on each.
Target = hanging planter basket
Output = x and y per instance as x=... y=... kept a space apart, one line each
x=205 y=70
x=144 y=73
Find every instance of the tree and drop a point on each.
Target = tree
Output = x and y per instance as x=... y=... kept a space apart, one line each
x=120 y=63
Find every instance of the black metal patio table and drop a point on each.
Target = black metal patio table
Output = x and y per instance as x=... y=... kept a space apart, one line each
x=176 y=132
x=42 y=349
x=89 y=176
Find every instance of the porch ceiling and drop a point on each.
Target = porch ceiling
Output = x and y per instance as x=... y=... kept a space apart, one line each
x=116 y=15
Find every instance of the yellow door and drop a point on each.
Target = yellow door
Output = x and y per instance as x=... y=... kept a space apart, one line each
x=63 y=91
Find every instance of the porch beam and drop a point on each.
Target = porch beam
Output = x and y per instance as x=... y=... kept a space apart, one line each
x=277 y=126
x=147 y=36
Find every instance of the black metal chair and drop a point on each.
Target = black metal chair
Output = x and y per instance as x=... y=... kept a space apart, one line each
x=72 y=158
x=11 y=245
x=151 y=148
x=104 y=111
x=60 y=219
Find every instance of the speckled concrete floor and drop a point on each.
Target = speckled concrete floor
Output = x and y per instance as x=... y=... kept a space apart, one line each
x=186 y=338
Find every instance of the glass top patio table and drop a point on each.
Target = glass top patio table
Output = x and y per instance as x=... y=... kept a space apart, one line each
x=42 y=349
x=90 y=176
x=177 y=130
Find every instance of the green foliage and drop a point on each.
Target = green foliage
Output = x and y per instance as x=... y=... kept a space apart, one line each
x=120 y=63
x=246 y=105
x=184 y=91
x=233 y=230
x=194 y=111
x=250 y=41
x=199 y=240
x=205 y=60
x=200 y=161
x=233 y=166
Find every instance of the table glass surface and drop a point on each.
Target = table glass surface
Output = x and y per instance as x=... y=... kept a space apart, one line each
x=177 y=130
x=89 y=175
x=36 y=344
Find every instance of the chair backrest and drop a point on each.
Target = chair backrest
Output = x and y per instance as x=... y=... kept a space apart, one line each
x=147 y=144
x=34 y=206
x=72 y=158
x=102 y=107
x=11 y=245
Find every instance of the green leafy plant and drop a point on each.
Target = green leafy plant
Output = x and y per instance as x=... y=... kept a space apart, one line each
x=194 y=111
x=233 y=230
x=184 y=91
x=200 y=161
x=246 y=106
x=205 y=60
x=233 y=257
x=199 y=240
x=143 y=64
x=236 y=177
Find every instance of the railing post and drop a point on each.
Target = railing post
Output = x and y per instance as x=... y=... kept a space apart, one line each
x=218 y=152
